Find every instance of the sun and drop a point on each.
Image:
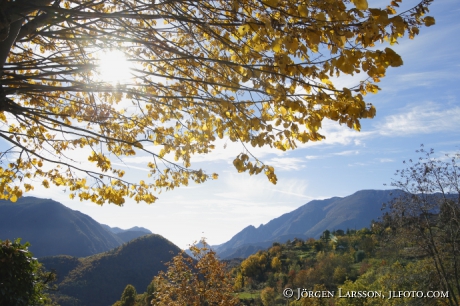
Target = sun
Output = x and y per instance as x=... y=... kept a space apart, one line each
x=113 y=68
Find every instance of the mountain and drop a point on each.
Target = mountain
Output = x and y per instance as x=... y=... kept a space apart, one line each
x=309 y=221
x=128 y=234
x=100 y=279
x=52 y=228
x=118 y=230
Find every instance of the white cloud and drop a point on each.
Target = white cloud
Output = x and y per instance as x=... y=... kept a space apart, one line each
x=359 y=164
x=146 y=169
x=257 y=188
x=135 y=160
x=342 y=153
x=311 y=157
x=385 y=160
x=287 y=163
x=421 y=119
x=347 y=153
x=425 y=79
x=337 y=134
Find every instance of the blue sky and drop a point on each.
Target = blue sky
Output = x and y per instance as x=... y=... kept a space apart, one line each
x=419 y=103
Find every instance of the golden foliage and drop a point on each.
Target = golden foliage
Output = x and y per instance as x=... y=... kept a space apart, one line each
x=203 y=281
x=261 y=73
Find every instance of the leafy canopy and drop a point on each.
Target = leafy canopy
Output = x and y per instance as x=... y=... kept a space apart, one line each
x=261 y=73
x=22 y=279
x=200 y=281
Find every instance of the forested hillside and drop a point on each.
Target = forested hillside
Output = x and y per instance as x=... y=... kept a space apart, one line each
x=98 y=280
x=333 y=270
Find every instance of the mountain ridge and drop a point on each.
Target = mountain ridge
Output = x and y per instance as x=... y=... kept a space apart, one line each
x=99 y=280
x=54 y=229
x=117 y=230
x=309 y=221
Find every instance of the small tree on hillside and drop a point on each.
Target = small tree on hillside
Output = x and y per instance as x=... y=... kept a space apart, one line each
x=199 y=282
x=128 y=297
x=427 y=216
x=268 y=296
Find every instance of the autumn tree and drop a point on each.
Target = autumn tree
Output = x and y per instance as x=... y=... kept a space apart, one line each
x=276 y=264
x=268 y=296
x=198 y=281
x=256 y=265
x=425 y=219
x=261 y=73
x=415 y=275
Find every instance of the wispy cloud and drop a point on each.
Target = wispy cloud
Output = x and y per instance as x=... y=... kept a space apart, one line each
x=341 y=153
x=287 y=163
x=259 y=189
x=361 y=164
x=311 y=157
x=421 y=119
x=420 y=79
x=347 y=153
x=132 y=167
x=337 y=134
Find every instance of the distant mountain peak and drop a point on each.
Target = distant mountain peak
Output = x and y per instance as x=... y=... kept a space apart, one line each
x=140 y=229
x=117 y=230
x=54 y=229
x=309 y=221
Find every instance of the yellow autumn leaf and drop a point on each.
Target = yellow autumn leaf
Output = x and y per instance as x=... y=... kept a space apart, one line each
x=242 y=30
x=360 y=4
x=326 y=81
x=283 y=110
x=357 y=126
x=303 y=10
x=271 y=3
x=46 y=184
x=293 y=45
x=276 y=45
x=429 y=21
x=393 y=58
x=58 y=181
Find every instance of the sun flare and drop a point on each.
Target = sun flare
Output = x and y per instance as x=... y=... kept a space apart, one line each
x=113 y=67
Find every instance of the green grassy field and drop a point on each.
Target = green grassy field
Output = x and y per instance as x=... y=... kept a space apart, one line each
x=248 y=295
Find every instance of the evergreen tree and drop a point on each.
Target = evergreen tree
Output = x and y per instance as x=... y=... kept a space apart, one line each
x=128 y=298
